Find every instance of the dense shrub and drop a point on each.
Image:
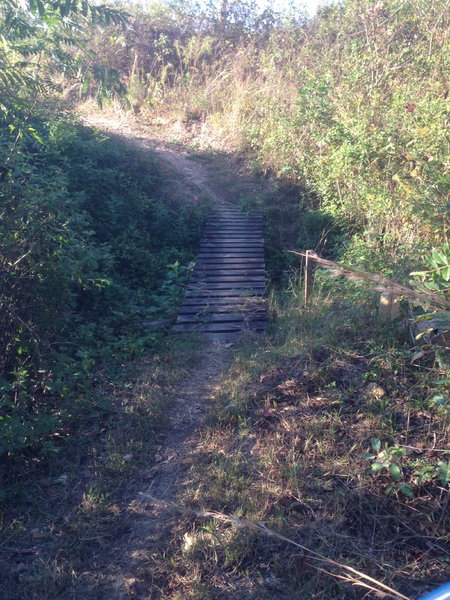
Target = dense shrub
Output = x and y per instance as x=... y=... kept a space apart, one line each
x=88 y=249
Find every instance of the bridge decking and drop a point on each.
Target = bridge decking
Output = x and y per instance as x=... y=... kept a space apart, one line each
x=225 y=293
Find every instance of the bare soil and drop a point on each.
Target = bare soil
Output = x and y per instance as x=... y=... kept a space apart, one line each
x=208 y=171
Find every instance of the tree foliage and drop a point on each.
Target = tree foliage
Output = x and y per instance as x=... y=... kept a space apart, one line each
x=36 y=42
x=88 y=247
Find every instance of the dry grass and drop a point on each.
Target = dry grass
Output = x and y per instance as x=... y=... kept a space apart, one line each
x=285 y=445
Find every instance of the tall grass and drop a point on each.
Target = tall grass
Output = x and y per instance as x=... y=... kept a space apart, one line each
x=352 y=105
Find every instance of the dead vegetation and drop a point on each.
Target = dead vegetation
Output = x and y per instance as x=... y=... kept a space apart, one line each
x=288 y=445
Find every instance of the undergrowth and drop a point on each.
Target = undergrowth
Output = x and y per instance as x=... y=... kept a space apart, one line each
x=296 y=437
x=66 y=517
x=90 y=250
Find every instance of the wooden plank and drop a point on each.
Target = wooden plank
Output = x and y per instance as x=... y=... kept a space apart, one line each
x=211 y=285
x=229 y=244
x=236 y=239
x=224 y=295
x=219 y=278
x=237 y=229
x=245 y=239
x=223 y=270
x=233 y=237
x=244 y=285
x=216 y=294
x=217 y=327
x=217 y=221
x=243 y=233
x=215 y=308
x=250 y=228
x=230 y=259
x=227 y=248
x=220 y=272
x=231 y=263
x=239 y=213
x=251 y=234
x=234 y=223
x=241 y=255
x=230 y=222
x=201 y=275
x=217 y=283
x=242 y=216
x=222 y=318
x=230 y=293
x=222 y=308
x=222 y=301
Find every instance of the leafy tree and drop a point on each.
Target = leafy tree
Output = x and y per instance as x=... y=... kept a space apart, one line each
x=34 y=42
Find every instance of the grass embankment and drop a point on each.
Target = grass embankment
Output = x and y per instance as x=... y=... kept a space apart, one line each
x=301 y=418
x=91 y=248
x=327 y=431
x=352 y=104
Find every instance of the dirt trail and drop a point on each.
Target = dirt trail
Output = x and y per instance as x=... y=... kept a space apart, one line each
x=128 y=572
x=173 y=158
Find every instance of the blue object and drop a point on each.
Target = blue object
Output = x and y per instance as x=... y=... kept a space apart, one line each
x=441 y=593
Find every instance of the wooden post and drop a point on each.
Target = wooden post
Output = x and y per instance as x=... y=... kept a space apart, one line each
x=389 y=307
x=308 y=277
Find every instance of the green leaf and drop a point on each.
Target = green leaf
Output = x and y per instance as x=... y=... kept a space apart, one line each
x=439 y=257
x=395 y=471
x=425 y=317
x=422 y=334
x=376 y=466
x=376 y=444
x=369 y=456
x=419 y=273
x=406 y=489
x=432 y=263
x=443 y=472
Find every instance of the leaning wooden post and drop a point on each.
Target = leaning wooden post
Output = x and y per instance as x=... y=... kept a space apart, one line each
x=308 y=277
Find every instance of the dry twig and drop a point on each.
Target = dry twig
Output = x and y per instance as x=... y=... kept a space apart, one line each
x=431 y=299
x=351 y=575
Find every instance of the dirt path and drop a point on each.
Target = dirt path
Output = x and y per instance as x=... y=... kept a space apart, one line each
x=128 y=571
x=181 y=170
x=209 y=171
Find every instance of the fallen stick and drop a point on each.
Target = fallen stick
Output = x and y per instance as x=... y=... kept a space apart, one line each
x=428 y=298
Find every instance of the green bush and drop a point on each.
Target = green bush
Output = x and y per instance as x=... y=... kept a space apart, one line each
x=88 y=250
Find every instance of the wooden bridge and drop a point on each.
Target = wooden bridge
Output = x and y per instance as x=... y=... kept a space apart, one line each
x=225 y=293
